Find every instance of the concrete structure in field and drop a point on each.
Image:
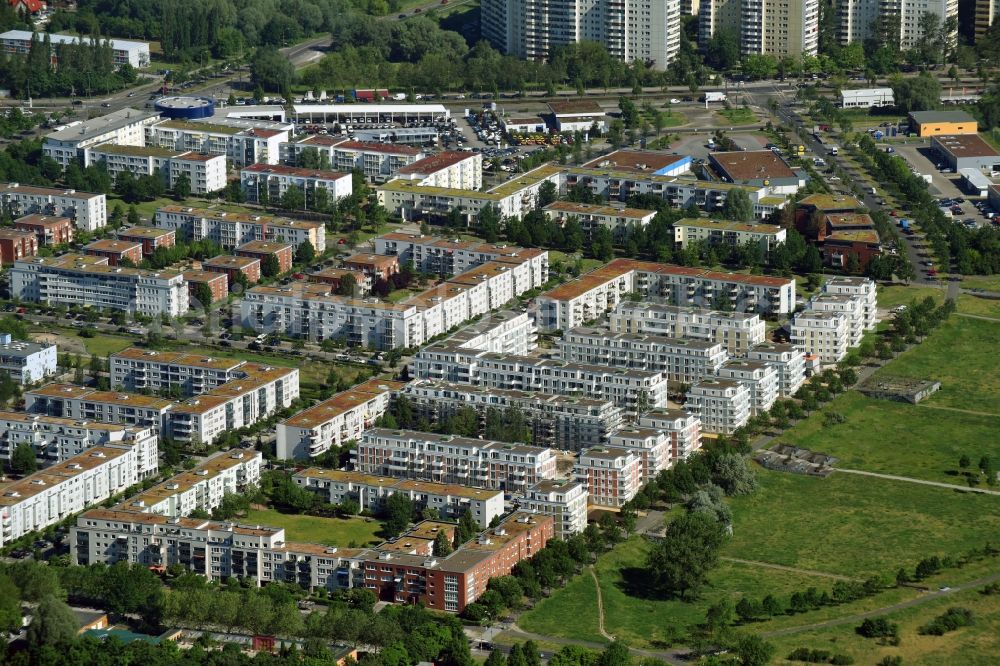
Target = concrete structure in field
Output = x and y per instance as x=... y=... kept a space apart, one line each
x=612 y=476
x=76 y=279
x=26 y=362
x=450 y=500
x=645 y=31
x=727 y=233
x=16 y=244
x=150 y=238
x=117 y=252
x=593 y=294
x=18 y=42
x=89 y=212
x=49 y=230
x=124 y=128
x=565 y=501
x=760 y=379
x=866 y=98
x=335 y=421
x=722 y=405
x=966 y=151
x=269 y=183
x=759 y=168
x=378 y=161
x=826 y=335
x=735 y=331
x=938 y=123
x=231 y=230
x=788 y=361
x=428 y=456
x=562 y=422
x=591 y=216
x=454 y=169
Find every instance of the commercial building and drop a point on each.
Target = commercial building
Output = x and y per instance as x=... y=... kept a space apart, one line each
x=124 y=128
x=826 y=335
x=559 y=421
x=898 y=19
x=89 y=212
x=26 y=362
x=722 y=405
x=264 y=183
x=451 y=459
x=678 y=359
x=454 y=169
x=231 y=230
x=759 y=378
x=150 y=238
x=620 y=221
x=335 y=421
x=451 y=501
x=368 y=113
x=577 y=115
x=123 y=51
x=643 y=30
x=787 y=360
x=861 y=288
x=16 y=244
x=84 y=404
x=433 y=254
x=942 y=123
x=57 y=492
x=727 y=233
x=593 y=294
x=378 y=161
x=76 y=279
x=851 y=250
x=218 y=285
x=49 y=230
x=565 y=501
x=200 y=488
x=261 y=250
x=735 y=331
x=866 y=98
x=117 y=252
x=241 y=142
x=612 y=476
x=966 y=151
x=757 y=168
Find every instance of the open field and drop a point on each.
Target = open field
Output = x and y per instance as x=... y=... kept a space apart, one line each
x=890 y=297
x=984 y=307
x=985 y=282
x=312 y=529
x=578 y=600
x=738 y=115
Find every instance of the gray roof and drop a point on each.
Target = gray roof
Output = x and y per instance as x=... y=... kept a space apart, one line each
x=21 y=349
x=89 y=129
x=941 y=117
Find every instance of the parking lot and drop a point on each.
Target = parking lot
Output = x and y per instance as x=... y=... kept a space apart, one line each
x=696 y=145
x=923 y=161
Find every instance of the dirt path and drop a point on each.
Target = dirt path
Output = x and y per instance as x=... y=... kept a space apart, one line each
x=957 y=409
x=782 y=567
x=938 y=484
x=600 y=605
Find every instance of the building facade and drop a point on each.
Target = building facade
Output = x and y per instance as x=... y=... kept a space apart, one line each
x=735 y=331
x=565 y=501
x=89 y=212
x=264 y=183
x=27 y=362
x=722 y=405
x=612 y=476
x=49 y=230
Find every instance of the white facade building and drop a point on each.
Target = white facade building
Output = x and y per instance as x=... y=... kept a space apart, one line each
x=612 y=476
x=726 y=233
x=851 y=306
x=124 y=128
x=775 y=27
x=242 y=142
x=723 y=405
x=735 y=331
x=123 y=51
x=900 y=18
x=82 y=403
x=89 y=212
x=683 y=430
x=206 y=173
x=787 y=360
x=866 y=98
x=273 y=180
x=433 y=254
x=760 y=379
x=565 y=501
x=452 y=169
x=26 y=362
x=826 y=335
x=861 y=287
x=230 y=230
x=378 y=161
x=620 y=221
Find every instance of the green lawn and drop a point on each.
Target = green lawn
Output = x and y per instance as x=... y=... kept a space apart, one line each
x=578 y=600
x=890 y=297
x=985 y=282
x=984 y=307
x=897 y=438
x=738 y=115
x=102 y=345
x=312 y=529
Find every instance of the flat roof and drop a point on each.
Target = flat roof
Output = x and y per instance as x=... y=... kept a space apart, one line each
x=597 y=209
x=146 y=232
x=831 y=202
x=378 y=260
x=178 y=358
x=195 y=275
x=921 y=117
x=576 y=107
x=729 y=225
x=368 y=109
x=94 y=127
x=438 y=162
x=32 y=485
x=16 y=234
x=964 y=145
x=856 y=236
x=841 y=220
x=36 y=219
x=73 y=392
x=186 y=480
x=739 y=165
x=93 y=264
x=190 y=126
x=639 y=161
x=379 y=147
x=264 y=247
x=17 y=188
x=282 y=170
x=63 y=38
x=110 y=245
x=230 y=261
x=342 y=402
x=428 y=487
x=865 y=92
x=136 y=151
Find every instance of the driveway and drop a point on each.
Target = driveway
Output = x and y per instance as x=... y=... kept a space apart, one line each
x=920 y=158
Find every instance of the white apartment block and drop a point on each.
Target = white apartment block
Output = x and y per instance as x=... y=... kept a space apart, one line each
x=206 y=173
x=723 y=405
x=652 y=446
x=450 y=500
x=775 y=27
x=682 y=429
x=859 y=18
x=862 y=288
x=612 y=476
x=565 y=501
x=83 y=280
x=56 y=440
x=678 y=359
x=124 y=128
x=727 y=233
x=378 y=161
x=27 y=362
x=203 y=487
x=242 y=142
x=270 y=182
x=432 y=254
x=55 y=493
x=82 y=403
x=735 y=331
x=787 y=360
x=636 y=30
x=826 y=335
x=230 y=230
x=123 y=51
x=89 y=212
x=452 y=169
x=851 y=306
x=620 y=221
x=760 y=379
x=450 y=459
x=335 y=421
x=562 y=422
x=592 y=295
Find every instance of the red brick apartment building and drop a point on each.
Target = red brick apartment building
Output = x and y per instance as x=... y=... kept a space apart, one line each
x=218 y=283
x=376 y=265
x=233 y=266
x=16 y=244
x=115 y=251
x=48 y=229
x=262 y=249
x=149 y=237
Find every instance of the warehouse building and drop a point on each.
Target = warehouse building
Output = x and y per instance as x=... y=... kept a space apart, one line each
x=966 y=151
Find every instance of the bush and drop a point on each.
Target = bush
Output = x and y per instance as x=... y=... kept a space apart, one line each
x=879 y=628
x=955 y=618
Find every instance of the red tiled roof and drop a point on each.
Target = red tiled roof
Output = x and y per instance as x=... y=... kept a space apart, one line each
x=436 y=163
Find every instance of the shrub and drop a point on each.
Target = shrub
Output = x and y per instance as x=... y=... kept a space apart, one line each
x=954 y=619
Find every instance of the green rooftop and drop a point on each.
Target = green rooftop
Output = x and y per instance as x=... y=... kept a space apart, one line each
x=137 y=151
x=200 y=127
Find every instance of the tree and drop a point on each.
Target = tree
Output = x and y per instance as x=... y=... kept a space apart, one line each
x=133 y=215
x=182 y=187
x=489 y=223
x=601 y=244
x=10 y=605
x=918 y=93
x=53 y=624
x=733 y=475
x=397 y=512
x=293 y=198
x=442 y=546
x=347 y=285
x=203 y=294
x=754 y=651
x=305 y=253
x=964 y=461
x=616 y=654
x=270 y=70
x=547 y=193
x=679 y=564
x=22 y=460
x=738 y=206
x=270 y=266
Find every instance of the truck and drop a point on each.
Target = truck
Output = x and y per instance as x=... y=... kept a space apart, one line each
x=370 y=94
x=713 y=97
x=398 y=97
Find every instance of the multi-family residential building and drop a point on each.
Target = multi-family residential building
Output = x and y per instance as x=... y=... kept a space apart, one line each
x=124 y=128
x=723 y=405
x=17 y=244
x=450 y=459
x=82 y=403
x=595 y=293
x=612 y=475
x=335 y=421
x=559 y=421
x=896 y=20
x=727 y=233
x=679 y=359
x=241 y=142
x=26 y=362
x=643 y=30
x=56 y=440
x=284 y=253
x=123 y=51
x=49 y=230
x=378 y=161
x=450 y=500
x=760 y=379
x=376 y=266
x=859 y=287
x=652 y=446
x=234 y=267
x=263 y=183
x=826 y=335
x=117 y=252
x=218 y=285
x=202 y=487
x=620 y=221
x=205 y=173
x=231 y=230
x=453 y=169
x=682 y=430
x=432 y=254
x=735 y=331
x=89 y=212
x=787 y=360
x=774 y=27
x=565 y=501
x=76 y=279
x=851 y=306
x=57 y=492
x=757 y=168
x=150 y=238
x=149 y=369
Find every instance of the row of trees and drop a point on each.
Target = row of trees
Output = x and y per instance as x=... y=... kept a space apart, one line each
x=502 y=425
